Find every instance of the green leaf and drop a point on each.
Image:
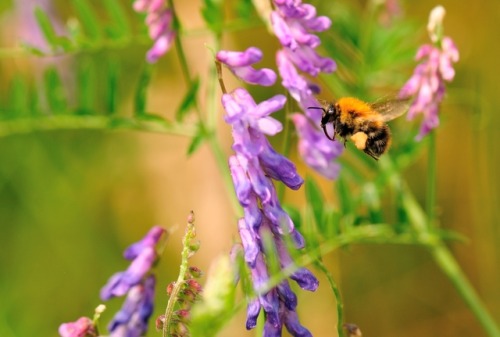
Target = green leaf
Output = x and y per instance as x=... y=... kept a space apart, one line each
x=88 y=19
x=217 y=305
x=196 y=142
x=113 y=69
x=244 y=9
x=86 y=86
x=294 y=214
x=213 y=13
x=316 y=201
x=188 y=101
x=18 y=97
x=54 y=91
x=344 y=195
x=371 y=198
x=32 y=49
x=141 y=90
x=121 y=26
x=49 y=33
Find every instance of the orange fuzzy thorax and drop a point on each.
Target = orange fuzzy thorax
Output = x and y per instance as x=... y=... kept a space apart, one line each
x=351 y=107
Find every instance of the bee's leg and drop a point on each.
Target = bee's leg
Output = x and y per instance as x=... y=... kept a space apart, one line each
x=370 y=153
x=345 y=141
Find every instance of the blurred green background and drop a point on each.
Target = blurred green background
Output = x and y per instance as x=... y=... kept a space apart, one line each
x=72 y=200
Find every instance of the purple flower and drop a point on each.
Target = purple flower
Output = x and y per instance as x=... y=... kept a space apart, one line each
x=240 y=64
x=83 y=327
x=294 y=24
x=254 y=167
x=159 y=21
x=317 y=151
x=151 y=239
x=427 y=84
x=132 y=319
x=120 y=283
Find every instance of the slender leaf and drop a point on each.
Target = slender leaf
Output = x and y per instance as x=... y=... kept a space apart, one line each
x=294 y=214
x=141 y=90
x=88 y=19
x=213 y=13
x=188 y=101
x=54 y=91
x=86 y=86
x=49 y=32
x=113 y=69
x=196 y=142
x=18 y=104
x=316 y=201
x=118 y=16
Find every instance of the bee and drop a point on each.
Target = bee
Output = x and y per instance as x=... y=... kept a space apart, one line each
x=364 y=123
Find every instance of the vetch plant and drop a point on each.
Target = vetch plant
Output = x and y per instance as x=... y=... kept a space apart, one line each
x=427 y=85
x=290 y=217
x=254 y=163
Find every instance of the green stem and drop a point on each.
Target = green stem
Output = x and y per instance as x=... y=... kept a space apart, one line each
x=338 y=297
x=90 y=122
x=445 y=259
x=450 y=267
x=186 y=253
x=209 y=129
x=431 y=179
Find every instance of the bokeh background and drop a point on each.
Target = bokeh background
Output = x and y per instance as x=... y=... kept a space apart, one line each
x=72 y=200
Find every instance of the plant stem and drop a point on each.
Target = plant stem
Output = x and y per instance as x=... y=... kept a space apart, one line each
x=450 y=267
x=208 y=130
x=186 y=252
x=431 y=179
x=97 y=122
x=338 y=298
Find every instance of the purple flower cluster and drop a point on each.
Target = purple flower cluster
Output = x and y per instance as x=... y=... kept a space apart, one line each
x=294 y=24
x=253 y=167
x=133 y=317
x=159 y=20
x=427 y=84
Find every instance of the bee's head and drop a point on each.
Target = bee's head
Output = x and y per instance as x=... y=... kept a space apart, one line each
x=330 y=114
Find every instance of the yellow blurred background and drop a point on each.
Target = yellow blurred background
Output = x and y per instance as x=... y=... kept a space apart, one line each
x=71 y=201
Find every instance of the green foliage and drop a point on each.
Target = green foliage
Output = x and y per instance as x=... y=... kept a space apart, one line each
x=217 y=305
x=213 y=13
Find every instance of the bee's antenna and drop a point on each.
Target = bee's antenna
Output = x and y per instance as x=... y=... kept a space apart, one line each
x=317 y=108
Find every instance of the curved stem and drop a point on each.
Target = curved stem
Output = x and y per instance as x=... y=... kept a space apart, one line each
x=450 y=267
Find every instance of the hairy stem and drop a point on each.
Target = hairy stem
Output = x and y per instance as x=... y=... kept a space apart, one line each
x=186 y=253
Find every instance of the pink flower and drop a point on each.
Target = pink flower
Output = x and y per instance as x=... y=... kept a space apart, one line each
x=83 y=327
x=159 y=21
x=427 y=84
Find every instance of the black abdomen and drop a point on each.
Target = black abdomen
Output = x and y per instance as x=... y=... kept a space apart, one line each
x=378 y=141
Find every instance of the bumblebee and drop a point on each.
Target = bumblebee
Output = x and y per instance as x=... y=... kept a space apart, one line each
x=364 y=123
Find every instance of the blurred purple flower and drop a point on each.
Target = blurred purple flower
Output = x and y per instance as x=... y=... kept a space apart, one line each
x=294 y=23
x=83 y=327
x=151 y=239
x=240 y=63
x=427 y=84
x=317 y=151
x=253 y=168
x=120 y=283
x=132 y=319
x=159 y=20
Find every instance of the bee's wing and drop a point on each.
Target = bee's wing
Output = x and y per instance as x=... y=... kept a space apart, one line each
x=391 y=108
